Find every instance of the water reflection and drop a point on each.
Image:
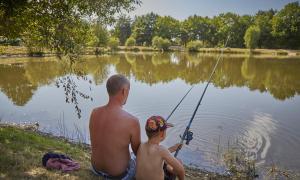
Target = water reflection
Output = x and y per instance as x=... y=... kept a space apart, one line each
x=280 y=78
x=266 y=120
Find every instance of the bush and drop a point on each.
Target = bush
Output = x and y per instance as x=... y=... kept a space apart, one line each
x=252 y=36
x=194 y=45
x=161 y=43
x=130 y=42
x=113 y=43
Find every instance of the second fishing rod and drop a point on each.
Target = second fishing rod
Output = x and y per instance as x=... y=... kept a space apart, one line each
x=187 y=135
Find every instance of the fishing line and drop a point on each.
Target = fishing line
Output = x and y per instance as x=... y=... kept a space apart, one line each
x=179 y=103
x=188 y=135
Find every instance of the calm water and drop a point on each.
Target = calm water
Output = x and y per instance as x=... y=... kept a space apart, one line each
x=252 y=103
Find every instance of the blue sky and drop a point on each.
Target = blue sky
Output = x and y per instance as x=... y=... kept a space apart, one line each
x=181 y=9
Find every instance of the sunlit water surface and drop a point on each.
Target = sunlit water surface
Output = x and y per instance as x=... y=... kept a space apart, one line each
x=252 y=103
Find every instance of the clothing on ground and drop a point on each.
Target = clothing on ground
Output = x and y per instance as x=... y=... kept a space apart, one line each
x=59 y=162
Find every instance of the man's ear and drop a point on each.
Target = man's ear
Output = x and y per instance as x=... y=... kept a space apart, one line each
x=123 y=91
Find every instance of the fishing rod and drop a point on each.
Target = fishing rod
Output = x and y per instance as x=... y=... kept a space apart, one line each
x=179 y=103
x=188 y=135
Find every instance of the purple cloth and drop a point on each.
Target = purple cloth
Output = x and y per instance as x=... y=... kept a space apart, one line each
x=66 y=165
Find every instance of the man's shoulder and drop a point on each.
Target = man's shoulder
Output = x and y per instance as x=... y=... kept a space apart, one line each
x=129 y=116
x=97 y=109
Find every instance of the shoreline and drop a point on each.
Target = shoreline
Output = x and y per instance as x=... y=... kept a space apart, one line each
x=21 y=51
x=27 y=144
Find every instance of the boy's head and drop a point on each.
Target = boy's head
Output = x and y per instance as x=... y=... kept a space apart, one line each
x=156 y=125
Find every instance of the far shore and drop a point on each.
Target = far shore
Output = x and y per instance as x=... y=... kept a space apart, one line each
x=21 y=51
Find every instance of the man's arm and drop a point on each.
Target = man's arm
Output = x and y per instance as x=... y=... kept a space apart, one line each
x=135 y=139
x=177 y=167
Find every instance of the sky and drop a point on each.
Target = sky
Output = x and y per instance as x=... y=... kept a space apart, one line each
x=181 y=9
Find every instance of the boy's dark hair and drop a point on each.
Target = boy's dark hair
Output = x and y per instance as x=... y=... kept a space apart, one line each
x=115 y=83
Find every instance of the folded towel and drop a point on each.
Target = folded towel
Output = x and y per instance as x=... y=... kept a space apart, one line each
x=59 y=162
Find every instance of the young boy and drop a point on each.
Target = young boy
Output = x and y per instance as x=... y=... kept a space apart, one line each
x=151 y=156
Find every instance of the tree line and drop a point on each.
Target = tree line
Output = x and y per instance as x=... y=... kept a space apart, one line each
x=270 y=29
x=68 y=26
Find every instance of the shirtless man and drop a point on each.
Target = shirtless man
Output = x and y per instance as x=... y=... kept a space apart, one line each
x=153 y=158
x=112 y=130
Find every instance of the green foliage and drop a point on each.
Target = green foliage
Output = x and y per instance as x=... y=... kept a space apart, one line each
x=161 y=43
x=100 y=35
x=231 y=24
x=57 y=25
x=61 y=26
x=143 y=29
x=252 y=36
x=113 y=43
x=194 y=45
x=286 y=26
x=130 y=41
x=263 y=19
x=122 y=28
x=167 y=27
x=200 y=28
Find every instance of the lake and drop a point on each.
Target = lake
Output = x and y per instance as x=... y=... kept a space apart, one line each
x=252 y=103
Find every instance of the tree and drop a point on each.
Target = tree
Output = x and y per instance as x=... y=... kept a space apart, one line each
x=113 y=43
x=286 y=26
x=183 y=34
x=199 y=28
x=167 y=27
x=130 y=41
x=143 y=28
x=230 y=24
x=161 y=43
x=122 y=29
x=252 y=37
x=194 y=45
x=101 y=35
x=57 y=25
x=263 y=19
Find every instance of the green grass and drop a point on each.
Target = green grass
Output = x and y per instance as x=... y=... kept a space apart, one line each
x=21 y=152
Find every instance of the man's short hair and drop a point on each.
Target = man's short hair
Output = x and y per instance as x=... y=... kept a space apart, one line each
x=115 y=83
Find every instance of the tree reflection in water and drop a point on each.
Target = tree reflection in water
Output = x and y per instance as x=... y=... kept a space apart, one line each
x=279 y=77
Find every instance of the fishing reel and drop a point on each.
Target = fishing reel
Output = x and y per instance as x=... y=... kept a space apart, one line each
x=188 y=137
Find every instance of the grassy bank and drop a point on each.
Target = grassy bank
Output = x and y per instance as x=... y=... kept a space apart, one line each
x=7 y=51
x=271 y=52
x=22 y=149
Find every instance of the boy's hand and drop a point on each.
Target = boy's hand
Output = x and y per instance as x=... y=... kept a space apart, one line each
x=175 y=147
x=178 y=145
x=179 y=160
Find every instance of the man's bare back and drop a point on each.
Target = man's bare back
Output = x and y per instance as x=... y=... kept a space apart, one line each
x=112 y=130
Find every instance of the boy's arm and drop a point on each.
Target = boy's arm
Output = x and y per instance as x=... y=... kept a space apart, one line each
x=178 y=168
x=175 y=147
